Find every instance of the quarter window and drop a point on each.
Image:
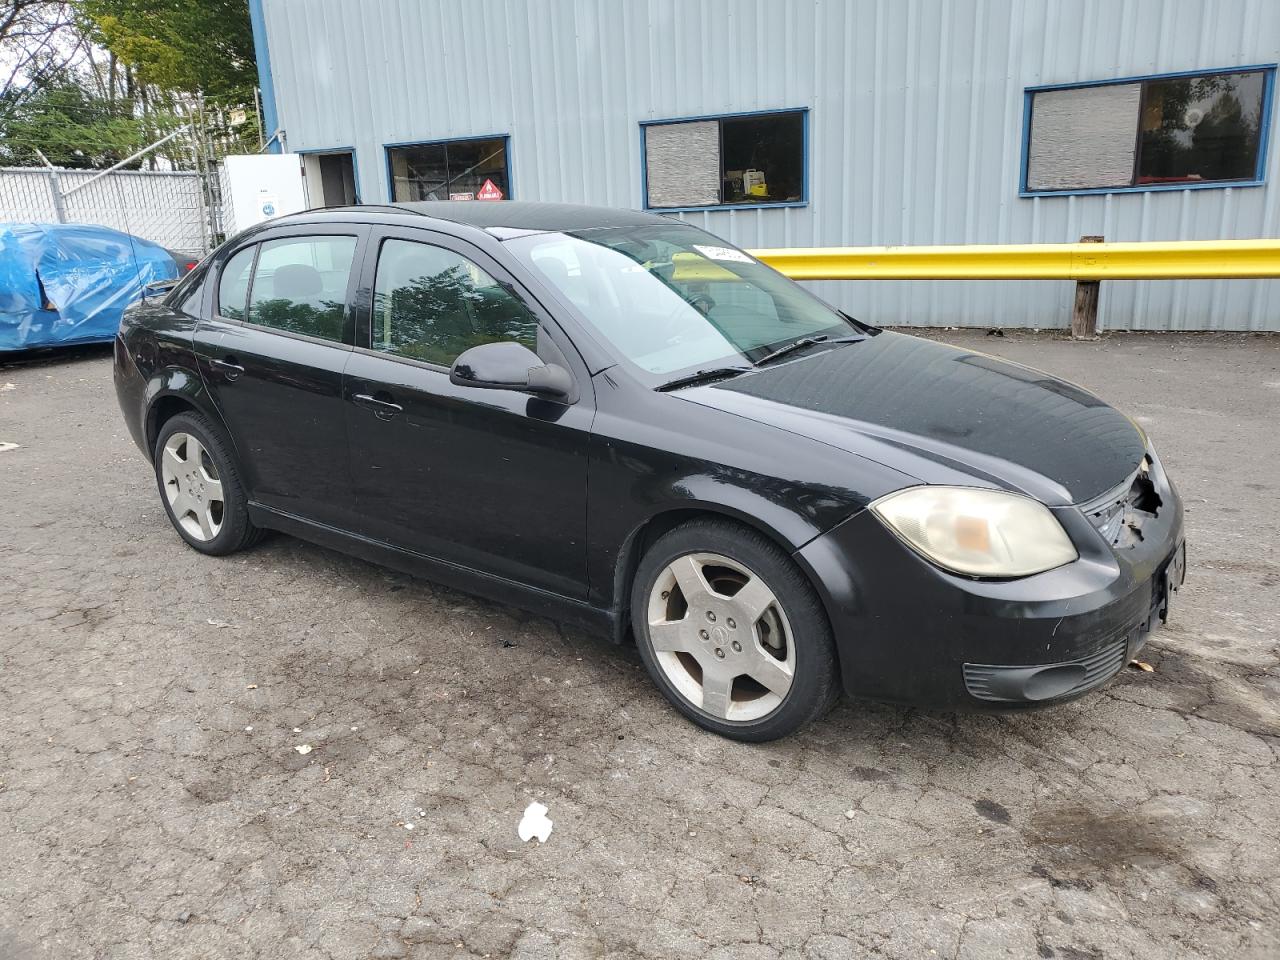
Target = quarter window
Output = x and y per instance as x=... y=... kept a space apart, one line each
x=431 y=304
x=752 y=159
x=452 y=170
x=1174 y=131
x=300 y=285
x=233 y=285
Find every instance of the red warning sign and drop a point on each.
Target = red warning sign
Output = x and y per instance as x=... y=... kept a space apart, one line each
x=489 y=191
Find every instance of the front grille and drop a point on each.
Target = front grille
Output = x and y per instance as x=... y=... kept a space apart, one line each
x=991 y=681
x=1120 y=514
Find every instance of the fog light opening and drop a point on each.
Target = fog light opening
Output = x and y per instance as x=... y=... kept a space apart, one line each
x=1053 y=681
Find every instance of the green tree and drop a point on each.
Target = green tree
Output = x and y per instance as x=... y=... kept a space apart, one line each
x=75 y=127
x=192 y=46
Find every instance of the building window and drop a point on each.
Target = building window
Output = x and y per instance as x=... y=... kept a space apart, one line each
x=1202 y=129
x=745 y=160
x=450 y=170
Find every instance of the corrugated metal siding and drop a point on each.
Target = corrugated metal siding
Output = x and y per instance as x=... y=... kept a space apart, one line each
x=915 y=124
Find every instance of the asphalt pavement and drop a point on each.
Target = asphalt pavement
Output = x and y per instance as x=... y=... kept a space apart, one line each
x=156 y=799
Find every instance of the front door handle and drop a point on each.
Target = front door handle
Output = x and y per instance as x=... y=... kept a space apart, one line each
x=229 y=367
x=383 y=409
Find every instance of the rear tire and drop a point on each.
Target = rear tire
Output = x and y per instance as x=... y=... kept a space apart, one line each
x=200 y=486
x=732 y=632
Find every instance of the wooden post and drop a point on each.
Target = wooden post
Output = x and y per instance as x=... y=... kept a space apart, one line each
x=1084 y=313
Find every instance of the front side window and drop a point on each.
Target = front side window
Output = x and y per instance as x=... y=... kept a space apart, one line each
x=753 y=159
x=671 y=298
x=300 y=285
x=453 y=170
x=1174 y=131
x=431 y=304
x=233 y=286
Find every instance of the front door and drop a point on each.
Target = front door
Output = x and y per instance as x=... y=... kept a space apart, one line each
x=493 y=480
x=272 y=352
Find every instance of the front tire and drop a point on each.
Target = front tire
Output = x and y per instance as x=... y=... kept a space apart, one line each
x=200 y=486
x=732 y=633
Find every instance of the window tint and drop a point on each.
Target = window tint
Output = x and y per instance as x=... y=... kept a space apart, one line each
x=233 y=287
x=300 y=285
x=456 y=170
x=1172 y=130
x=752 y=159
x=431 y=304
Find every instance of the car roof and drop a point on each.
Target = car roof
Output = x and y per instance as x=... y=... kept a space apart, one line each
x=505 y=214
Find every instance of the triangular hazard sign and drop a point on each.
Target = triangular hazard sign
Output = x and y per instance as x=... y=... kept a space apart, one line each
x=489 y=191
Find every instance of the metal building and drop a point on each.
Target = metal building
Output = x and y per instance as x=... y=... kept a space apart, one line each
x=817 y=123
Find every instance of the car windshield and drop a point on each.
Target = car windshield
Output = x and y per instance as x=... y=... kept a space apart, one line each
x=672 y=299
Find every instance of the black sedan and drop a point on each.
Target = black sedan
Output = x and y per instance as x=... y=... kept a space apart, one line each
x=620 y=420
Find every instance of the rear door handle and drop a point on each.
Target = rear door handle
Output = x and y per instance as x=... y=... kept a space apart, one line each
x=229 y=367
x=384 y=409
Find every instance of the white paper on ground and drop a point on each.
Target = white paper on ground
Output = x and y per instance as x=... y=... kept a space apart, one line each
x=534 y=823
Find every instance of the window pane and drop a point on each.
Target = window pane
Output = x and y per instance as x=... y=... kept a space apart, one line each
x=419 y=173
x=1201 y=128
x=471 y=163
x=682 y=162
x=670 y=298
x=233 y=288
x=1083 y=138
x=763 y=158
x=300 y=285
x=431 y=304
x=448 y=171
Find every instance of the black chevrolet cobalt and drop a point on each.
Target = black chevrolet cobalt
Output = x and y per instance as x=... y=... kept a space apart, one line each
x=618 y=419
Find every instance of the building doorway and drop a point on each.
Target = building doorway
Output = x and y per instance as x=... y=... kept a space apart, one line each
x=330 y=178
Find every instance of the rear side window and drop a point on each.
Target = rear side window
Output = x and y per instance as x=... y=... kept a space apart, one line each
x=233 y=286
x=300 y=285
x=431 y=304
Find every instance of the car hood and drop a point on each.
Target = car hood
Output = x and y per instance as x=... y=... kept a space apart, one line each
x=944 y=415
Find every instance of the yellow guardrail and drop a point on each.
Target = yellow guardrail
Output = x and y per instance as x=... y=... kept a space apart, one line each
x=1180 y=260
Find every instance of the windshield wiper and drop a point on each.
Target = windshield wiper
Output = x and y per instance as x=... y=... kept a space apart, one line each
x=702 y=376
x=800 y=344
x=791 y=347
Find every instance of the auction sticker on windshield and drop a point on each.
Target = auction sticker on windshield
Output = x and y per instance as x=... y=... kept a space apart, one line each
x=722 y=253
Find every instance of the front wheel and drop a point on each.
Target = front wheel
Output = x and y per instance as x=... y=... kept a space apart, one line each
x=732 y=632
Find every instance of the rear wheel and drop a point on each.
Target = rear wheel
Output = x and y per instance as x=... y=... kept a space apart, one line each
x=732 y=632
x=200 y=486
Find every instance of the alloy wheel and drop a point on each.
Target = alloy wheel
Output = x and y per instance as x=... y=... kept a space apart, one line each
x=721 y=637
x=192 y=487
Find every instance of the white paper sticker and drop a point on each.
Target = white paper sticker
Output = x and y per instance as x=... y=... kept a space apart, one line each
x=723 y=253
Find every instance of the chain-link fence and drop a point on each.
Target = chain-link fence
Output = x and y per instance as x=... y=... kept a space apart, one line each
x=168 y=208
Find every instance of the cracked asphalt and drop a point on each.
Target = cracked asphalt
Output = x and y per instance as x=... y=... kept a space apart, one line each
x=153 y=804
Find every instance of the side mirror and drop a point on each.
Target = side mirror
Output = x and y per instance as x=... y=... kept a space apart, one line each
x=510 y=366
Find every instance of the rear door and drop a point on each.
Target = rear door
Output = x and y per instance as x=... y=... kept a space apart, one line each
x=494 y=480
x=273 y=352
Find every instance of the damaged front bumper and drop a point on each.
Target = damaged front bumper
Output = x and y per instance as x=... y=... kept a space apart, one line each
x=908 y=631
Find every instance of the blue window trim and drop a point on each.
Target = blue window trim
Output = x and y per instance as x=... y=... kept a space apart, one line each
x=1260 y=173
x=506 y=157
x=804 y=162
x=329 y=151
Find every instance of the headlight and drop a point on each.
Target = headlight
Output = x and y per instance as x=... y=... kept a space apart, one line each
x=981 y=533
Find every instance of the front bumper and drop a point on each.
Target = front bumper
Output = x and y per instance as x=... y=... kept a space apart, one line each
x=910 y=632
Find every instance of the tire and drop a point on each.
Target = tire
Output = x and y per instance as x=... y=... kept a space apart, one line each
x=695 y=590
x=191 y=489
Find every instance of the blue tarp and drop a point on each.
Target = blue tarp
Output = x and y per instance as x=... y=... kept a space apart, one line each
x=87 y=274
